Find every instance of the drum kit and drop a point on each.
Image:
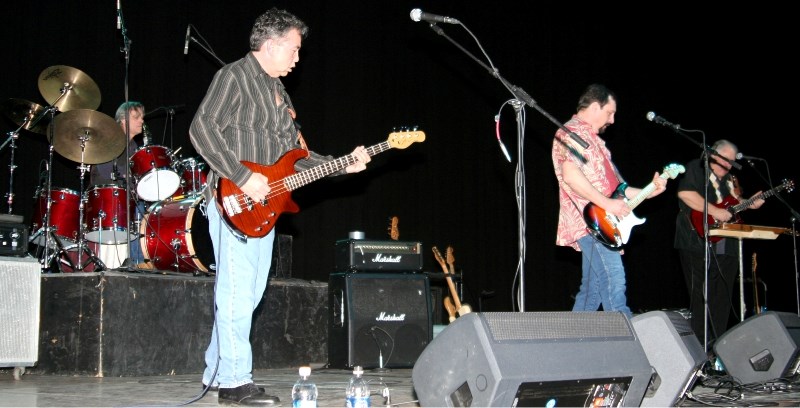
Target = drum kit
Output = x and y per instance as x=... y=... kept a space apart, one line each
x=71 y=227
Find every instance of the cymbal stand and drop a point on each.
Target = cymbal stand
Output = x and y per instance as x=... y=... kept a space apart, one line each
x=82 y=245
x=46 y=230
x=12 y=138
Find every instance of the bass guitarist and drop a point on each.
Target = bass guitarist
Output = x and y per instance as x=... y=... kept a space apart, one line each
x=247 y=115
x=689 y=238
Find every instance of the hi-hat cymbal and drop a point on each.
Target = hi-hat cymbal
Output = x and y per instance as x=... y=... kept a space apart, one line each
x=23 y=113
x=103 y=137
x=78 y=89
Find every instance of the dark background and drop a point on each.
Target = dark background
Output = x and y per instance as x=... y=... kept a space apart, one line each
x=367 y=68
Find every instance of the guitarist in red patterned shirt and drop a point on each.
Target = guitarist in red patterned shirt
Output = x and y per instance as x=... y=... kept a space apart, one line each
x=588 y=176
x=723 y=254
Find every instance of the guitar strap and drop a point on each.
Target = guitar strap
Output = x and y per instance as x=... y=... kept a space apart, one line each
x=300 y=139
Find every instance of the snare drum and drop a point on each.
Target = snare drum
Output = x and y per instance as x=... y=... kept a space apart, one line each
x=175 y=237
x=151 y=167
x=107 y=212
x=64 y=211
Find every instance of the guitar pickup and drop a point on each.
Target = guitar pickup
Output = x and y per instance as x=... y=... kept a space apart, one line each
x=231 y=205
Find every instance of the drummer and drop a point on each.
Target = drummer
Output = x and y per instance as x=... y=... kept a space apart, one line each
x=130 y=116
x=115 y=171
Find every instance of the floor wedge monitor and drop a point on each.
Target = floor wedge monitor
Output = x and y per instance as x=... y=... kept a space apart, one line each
x=674 y=352
x=762 y=348
x=533 y=359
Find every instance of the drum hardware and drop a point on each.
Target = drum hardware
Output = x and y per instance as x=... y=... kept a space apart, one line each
x=28 y=116
x=65 y=88
x=99 y=139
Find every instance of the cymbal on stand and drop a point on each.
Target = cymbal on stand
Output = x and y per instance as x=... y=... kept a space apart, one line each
x=23 y=113
x=103 y=137
x=78 y=89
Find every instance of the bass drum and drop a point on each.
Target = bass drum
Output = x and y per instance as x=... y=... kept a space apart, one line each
x=174 y=237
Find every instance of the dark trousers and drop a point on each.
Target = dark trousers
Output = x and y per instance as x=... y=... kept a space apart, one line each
x=722 y=273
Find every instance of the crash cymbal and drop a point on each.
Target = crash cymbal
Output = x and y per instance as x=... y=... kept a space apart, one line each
x=104 y=138
x=79 y=90
x=23 y=113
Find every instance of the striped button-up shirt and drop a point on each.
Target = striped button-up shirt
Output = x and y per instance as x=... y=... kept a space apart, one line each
x=245 y=115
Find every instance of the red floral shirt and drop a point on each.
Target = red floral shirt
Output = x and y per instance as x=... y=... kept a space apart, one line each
x=595 y=163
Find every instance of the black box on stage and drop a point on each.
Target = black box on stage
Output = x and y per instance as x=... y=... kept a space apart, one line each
x=378 y=319
x=13 y=239
x=762 y=348
x=374 y=256
x=533 y=359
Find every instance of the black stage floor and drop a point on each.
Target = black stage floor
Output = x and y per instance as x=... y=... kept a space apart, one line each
x=34 y=390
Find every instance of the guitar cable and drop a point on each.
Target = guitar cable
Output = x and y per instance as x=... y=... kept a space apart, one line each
x=497 y=129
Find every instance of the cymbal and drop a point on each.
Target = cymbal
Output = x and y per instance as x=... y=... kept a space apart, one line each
x=23 y=113
x=79 y=90
x=103 y=137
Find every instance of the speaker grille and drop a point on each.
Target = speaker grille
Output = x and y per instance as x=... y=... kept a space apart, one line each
x=510 y=326
x=378 y=319
x=20 y=281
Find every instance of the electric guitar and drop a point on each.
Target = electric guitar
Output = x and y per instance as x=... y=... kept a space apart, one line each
x=249 y=218
x=461 y=308
x=734 y=207
x=609 y=229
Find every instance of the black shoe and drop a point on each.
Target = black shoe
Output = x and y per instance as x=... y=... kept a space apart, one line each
x=246 y=395
x=215 y=388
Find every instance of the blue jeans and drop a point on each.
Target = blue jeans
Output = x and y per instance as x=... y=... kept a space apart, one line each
x=241 y=280
x=603 y=279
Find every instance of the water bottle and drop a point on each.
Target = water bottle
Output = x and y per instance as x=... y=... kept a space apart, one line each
x=357 y=390
x=304 y=392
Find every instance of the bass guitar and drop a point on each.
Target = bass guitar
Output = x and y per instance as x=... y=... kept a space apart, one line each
x=612 y=231
x=734 y=207
x=249 y=218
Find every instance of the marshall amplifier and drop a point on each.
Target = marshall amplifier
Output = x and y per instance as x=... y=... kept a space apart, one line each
x=13 y=239
x=365 y=255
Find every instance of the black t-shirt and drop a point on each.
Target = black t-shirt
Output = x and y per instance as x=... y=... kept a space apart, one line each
x=686 y=236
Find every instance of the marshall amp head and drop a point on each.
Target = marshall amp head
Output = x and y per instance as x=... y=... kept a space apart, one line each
x=366 y=255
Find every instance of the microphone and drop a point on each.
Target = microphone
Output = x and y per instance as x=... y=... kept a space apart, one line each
x=145 y=134
x=419 y=15
x=119 y=15
x=651 y=116
x=186 y=44
x=740 y=156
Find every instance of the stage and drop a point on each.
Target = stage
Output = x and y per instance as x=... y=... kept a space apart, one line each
x=120 y=338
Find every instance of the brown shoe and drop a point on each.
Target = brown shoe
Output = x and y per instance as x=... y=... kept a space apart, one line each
x=246 y=395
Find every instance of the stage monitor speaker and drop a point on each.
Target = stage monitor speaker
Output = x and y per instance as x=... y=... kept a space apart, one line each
x=674 y=352
x=378 y=319
x=20 y=283
x=761 y=348
x=533 y=359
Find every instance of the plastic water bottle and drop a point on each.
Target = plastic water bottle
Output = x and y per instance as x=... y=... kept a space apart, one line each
x=304 y=392
x=357 y=390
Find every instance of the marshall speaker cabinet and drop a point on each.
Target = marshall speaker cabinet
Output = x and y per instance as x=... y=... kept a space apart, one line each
x=378 y=319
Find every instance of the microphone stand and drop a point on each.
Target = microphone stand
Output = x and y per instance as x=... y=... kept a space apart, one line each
x=523 y=98
x=126 y=49
x=206 y=49
x=707 y=152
